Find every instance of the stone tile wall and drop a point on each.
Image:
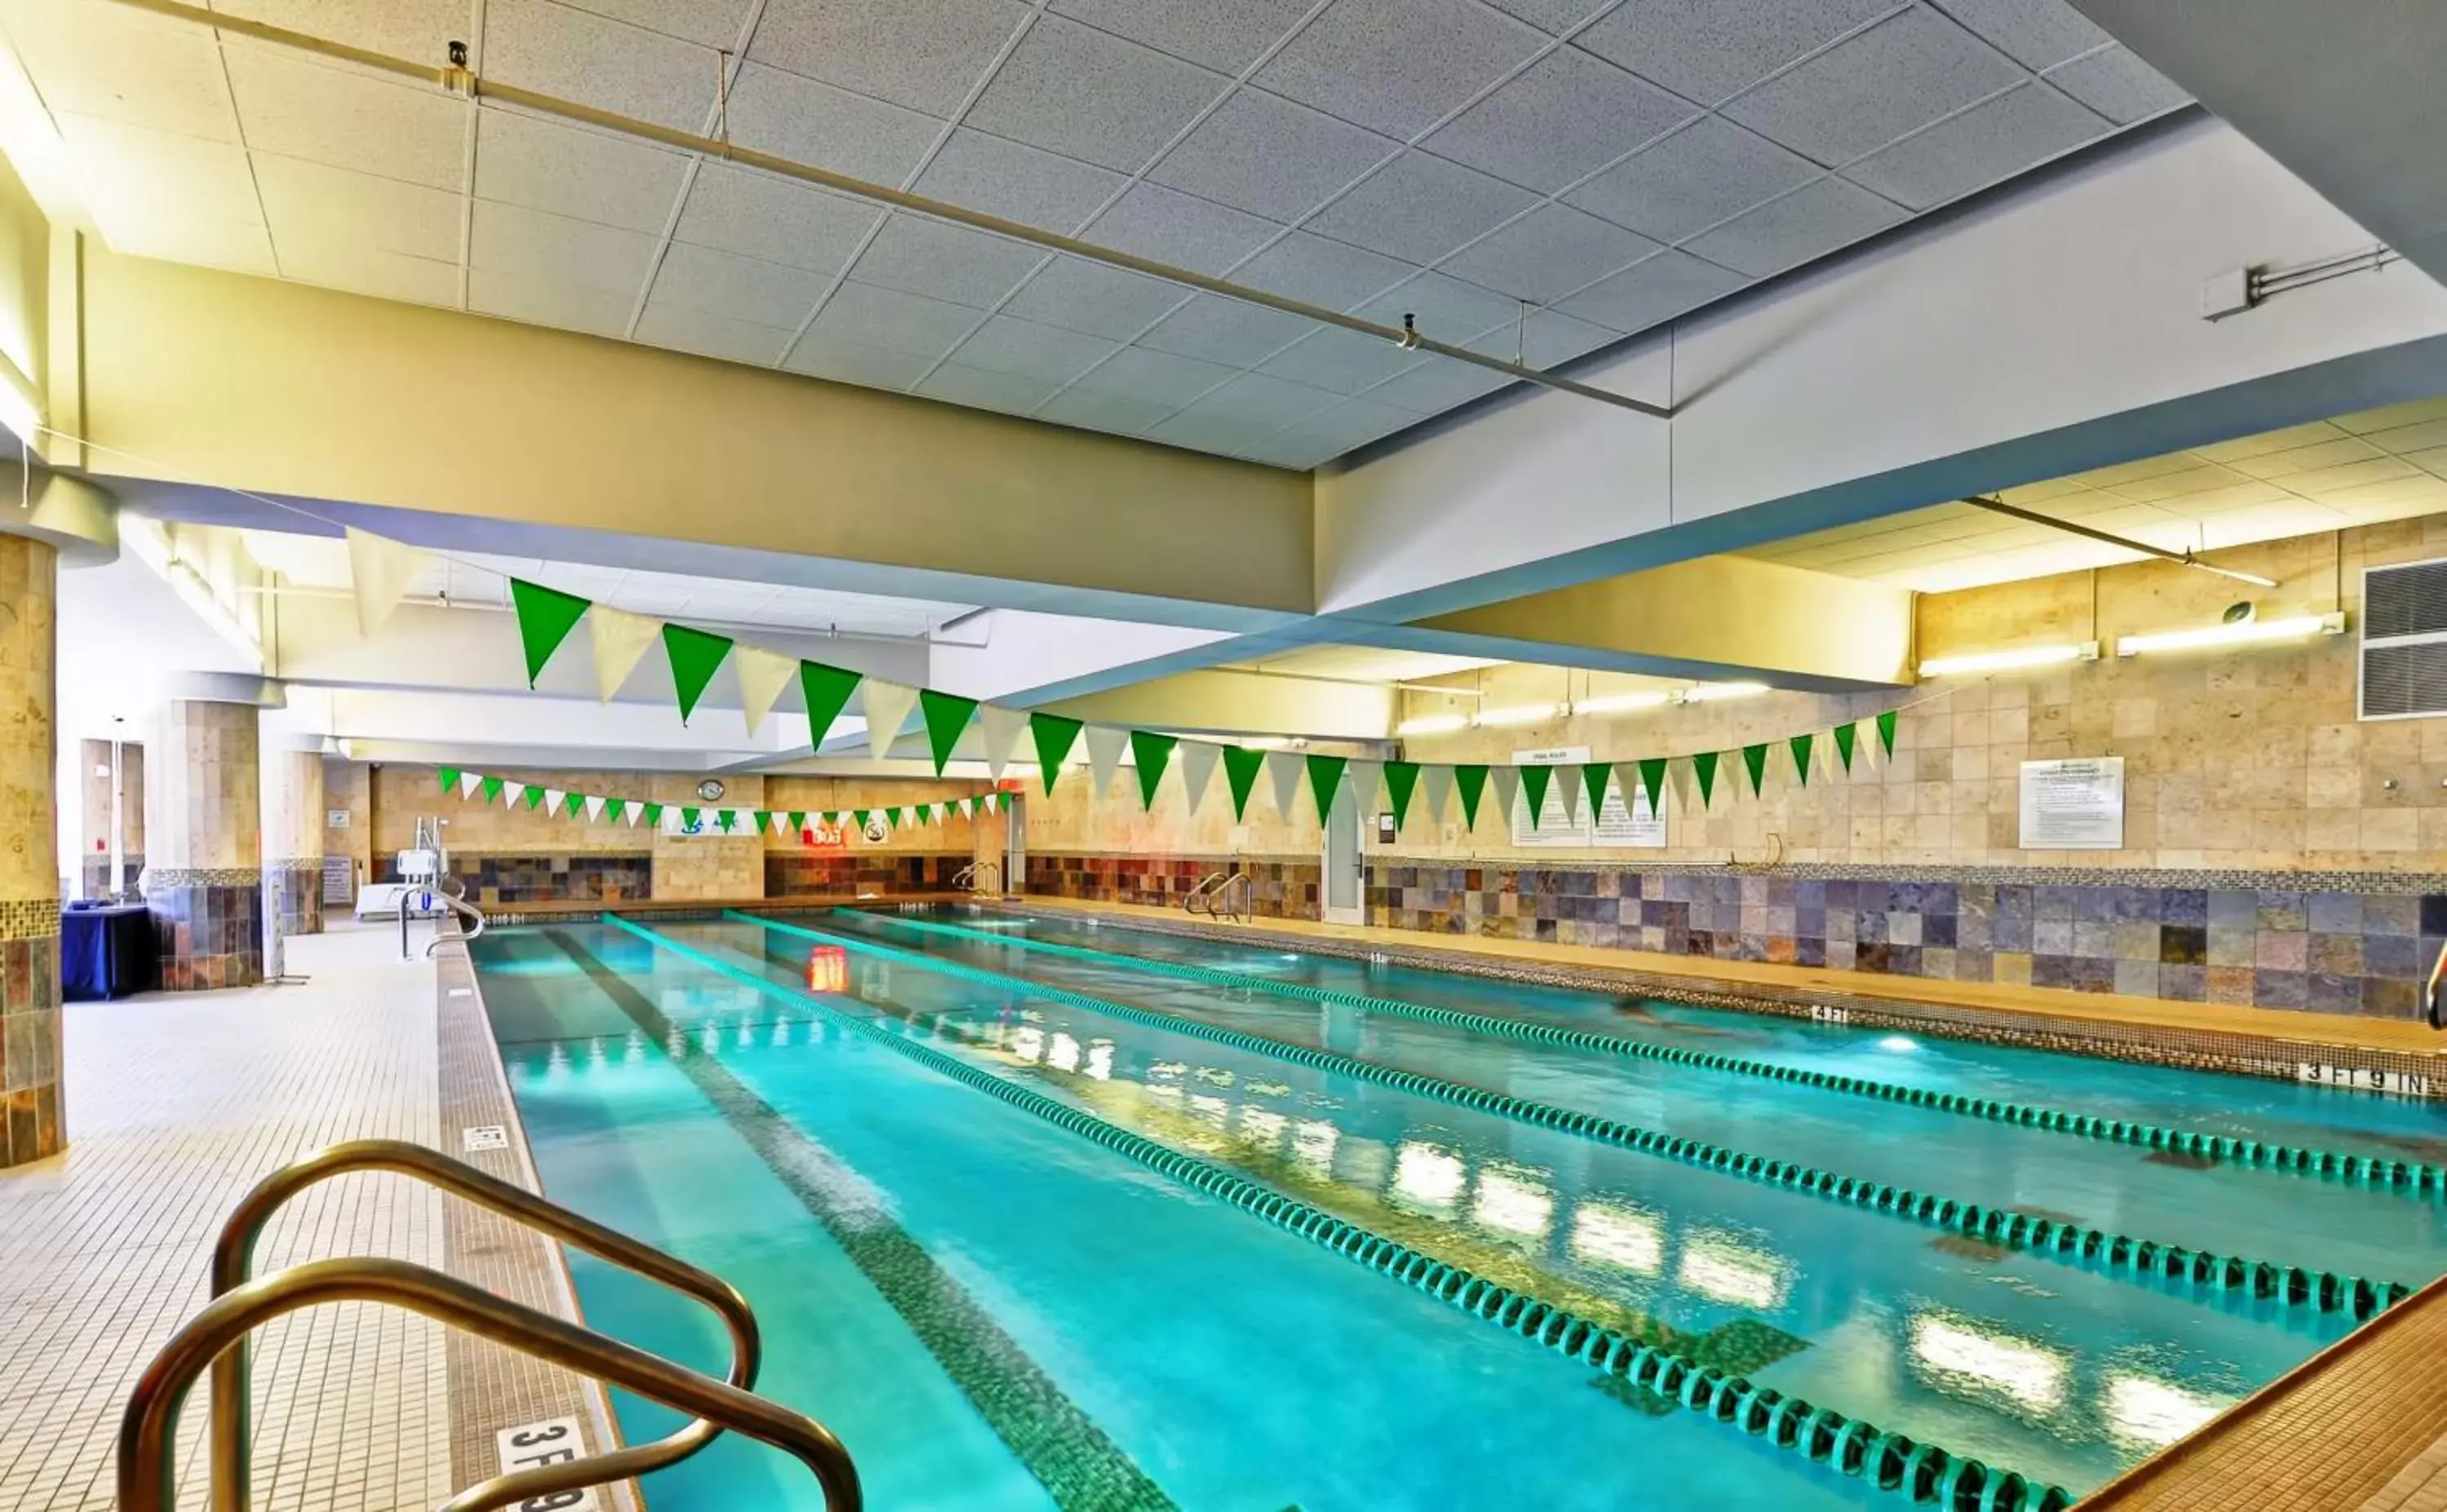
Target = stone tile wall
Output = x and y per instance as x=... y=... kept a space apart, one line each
x=295 y=885
x=31 y=1125
x=493 y=881
x=208 y=926
x=1279 y=888
x=845 y=873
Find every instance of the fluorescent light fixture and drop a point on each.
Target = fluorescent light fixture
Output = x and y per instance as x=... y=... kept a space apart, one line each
x=1517 y=714
x=1621 y=703
x=1432 y=725
x=2243 y=633
x=1998 y=661
x=1266 y=741
x=1710 y=692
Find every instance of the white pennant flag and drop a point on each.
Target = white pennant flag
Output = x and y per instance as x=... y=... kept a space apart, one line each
x=469 y=782
x=382 y=571
x=621 y=638
x=763 y=675
x=887 y=707
x=1365 y=778
x=512 y=794
x=994 y=802
x=1197 y=759
x=943 y=813
x=552 y=797
x=781 y=823
x=1436 y=787
x=636 y=810
x=1506 y=781
x=1283 y=770
x=1566 y=788
x=594 y=807
x=1105 y=743
x=999 y=730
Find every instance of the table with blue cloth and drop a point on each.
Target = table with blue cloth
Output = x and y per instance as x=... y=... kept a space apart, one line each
x=108 y=953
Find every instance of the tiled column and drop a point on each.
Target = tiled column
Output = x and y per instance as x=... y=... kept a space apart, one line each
x=292 y=838
x=94 y=784
x=204 y=876
x=29 y=872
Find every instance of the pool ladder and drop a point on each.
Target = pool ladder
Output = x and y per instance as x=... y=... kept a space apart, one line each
x=455 y=903
x=971 y=878
x=216 y=1337
x=1214 y=896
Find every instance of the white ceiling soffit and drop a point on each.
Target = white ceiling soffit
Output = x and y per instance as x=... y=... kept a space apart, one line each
x=2357 y=469
x=1365 y=663
x=474 y=578
x=1546 y=175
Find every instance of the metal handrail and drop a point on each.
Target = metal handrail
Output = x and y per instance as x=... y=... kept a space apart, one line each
x=1224 y=896
x=1207 y=885
x=233 y=1256
x=464 y=910
x=2434 y=1006
x=149 y=1427
x=977 y=882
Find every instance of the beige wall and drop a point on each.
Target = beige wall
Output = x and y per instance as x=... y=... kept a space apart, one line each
x=1071 y=819
x=348 y=788
x=204 y=809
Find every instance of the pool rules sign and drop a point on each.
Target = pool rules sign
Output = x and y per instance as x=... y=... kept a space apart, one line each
x=2076 y=804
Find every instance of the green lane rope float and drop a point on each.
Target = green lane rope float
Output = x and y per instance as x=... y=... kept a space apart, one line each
x=2407 y=1177
x=2291 y=1286
x=1929 y=1475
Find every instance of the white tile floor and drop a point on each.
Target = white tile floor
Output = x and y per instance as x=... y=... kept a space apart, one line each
x=177 y=1104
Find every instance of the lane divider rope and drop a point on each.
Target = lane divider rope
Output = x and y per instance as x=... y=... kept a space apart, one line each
x=2408 y=1177
x=2291 y=1286
x=1929 y=1475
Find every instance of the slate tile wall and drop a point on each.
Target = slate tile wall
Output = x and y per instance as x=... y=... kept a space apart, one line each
x=1279 y=889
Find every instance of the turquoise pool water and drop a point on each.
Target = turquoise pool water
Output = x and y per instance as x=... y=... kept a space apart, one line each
x=992 y=1311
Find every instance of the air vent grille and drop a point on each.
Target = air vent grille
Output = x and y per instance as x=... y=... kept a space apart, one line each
x=2404 y=641
x=2409 y=600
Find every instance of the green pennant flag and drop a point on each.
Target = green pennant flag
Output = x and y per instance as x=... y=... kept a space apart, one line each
x=688 y=819
x=1240 y=768
x=946 y=717
x=1054 y=736
x=1652 y=777
x=1703 y=767
x=1324 y=776
x=1801 y=745
x=535 y=798
x=1471 y=782
x=764 y=820
x=1533 y=788
x=695 y=657
x=1887 y=730
x=798 y=820
x=724 y=819
x=827 y=689
x=1754 y=760
x=615 y=808
x=1401 y=780
x=1594 y=778
x=492 y=789
x=859 y=815
x=572 y=803
x=1150 y=751
x=547 y=615
x=449 y=776
x=654 y=814
x=1844 y=735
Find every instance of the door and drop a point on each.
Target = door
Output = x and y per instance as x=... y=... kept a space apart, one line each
x=1343 y=897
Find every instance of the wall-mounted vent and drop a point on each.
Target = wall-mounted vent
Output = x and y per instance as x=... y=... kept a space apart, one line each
x=2404 y=641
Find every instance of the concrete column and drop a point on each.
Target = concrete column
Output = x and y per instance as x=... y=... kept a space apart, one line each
x=292 y=837
x=203 y=875
x=30 y=1109
x=94 y=784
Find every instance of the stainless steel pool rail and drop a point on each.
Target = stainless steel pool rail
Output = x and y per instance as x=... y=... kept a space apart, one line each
x=217 y=1337
x=2434 y=1003
x=1197 y=896
x=457 y=903
x=1223 y=905
x=971 y=878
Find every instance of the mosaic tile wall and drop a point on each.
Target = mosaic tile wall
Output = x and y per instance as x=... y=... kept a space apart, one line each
x=30 y=1126
x=1281 y=889
x=208 y=926
x=296 y=885
x=844 y=873
x=2347 y=943
x=525 y=878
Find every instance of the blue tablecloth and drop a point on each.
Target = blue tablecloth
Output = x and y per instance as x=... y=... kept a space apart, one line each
x=108 y=953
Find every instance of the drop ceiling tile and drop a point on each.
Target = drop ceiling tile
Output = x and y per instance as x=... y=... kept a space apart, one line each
x=1016 y=181
x=1445 y=307
x=421 y=30
x=524 y=159
x=1566 y=117
x=2034 y=34
x=1864 y=92
x=1704 y=173
x=1419 y=208
x=1557 y=17
x=308 y=201
x=1982 y=145
x=742 y=289
x=1805 y=223
x=1436 y=386
x=1224 y=330
x=1398 y=67
x=1342 y=361
x=2267 y=441
x=580 y=55
x=1226 y=35
x=2419 y=493
x=1159 y=377
x=2432 y=461
x=924 y=54
x=111 y=64
x=874 y=316
x=1545 y=339
x=1548 y=254
x=2418 y=436
x=349 y=120
x=1031 y=351
x=138 y=175
x=1652 y=290
x=1202 y=432
x=236 y=245
x=2118 y=85
x=2297 y=460
x=2321 y=482
x=944 y=261
x=1181 y=228
x=1103 y=99
x=1102 y=409
x=852 y=362
x=1271 y=156
x=809 y=121
x=707 y=23
x=546 y=302
x=2362 y=422
x=1345 y=428
x=1085 y=296
x=759 y=216
x=560 y=250
x=1010 y=393
x=1320 y=272
x=692 y=327
x=2176 y=485
x=1706 y=51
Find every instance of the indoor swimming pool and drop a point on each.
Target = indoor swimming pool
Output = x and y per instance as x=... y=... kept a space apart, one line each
x=1045 y=1211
